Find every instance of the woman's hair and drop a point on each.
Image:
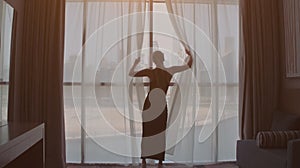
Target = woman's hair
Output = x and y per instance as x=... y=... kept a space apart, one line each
x=158 y=56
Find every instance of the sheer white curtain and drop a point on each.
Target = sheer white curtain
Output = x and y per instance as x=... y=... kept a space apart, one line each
x=102 y=40
x=100 y=96
x=212 y=35
x=6 y=20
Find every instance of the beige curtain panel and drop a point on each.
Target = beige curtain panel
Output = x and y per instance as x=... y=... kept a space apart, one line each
x=36 y=81
x=259 y=65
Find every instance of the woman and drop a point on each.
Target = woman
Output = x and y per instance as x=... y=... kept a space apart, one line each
x=154 y=117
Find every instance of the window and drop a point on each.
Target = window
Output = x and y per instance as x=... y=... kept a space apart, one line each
x=82 y=146
x=6 y=20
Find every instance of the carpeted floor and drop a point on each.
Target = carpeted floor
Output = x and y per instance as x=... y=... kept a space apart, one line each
x=220 y=165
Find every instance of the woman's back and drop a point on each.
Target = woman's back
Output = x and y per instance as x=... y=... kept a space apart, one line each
x=159 y=78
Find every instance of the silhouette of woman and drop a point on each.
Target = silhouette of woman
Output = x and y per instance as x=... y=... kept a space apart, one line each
x=155 y=113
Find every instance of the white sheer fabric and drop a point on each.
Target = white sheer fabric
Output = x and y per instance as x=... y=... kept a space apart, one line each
x=190 y=110
x=6 y=20
x=106 y=44
x=211 y=63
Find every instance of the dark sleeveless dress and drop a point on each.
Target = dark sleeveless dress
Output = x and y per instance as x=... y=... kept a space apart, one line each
x=154 y=138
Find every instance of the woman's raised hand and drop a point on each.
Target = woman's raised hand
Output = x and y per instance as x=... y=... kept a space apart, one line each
x=189 y=59
x=137 y=60
x=188 y=52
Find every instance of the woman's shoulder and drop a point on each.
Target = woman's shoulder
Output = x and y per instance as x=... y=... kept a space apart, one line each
x=164 y=71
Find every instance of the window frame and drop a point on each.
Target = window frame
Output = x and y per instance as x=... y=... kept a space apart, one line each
x=150 y=3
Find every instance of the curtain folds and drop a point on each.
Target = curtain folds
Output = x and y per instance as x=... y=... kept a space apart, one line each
x=219 y=35
x=259 y=65
x=109 y=110
x=175 y=9
x=178 y=108
x=103 y=54
x=36 y=87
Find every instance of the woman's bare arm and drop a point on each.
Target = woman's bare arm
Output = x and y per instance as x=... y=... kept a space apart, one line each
x=136 y=62
x=187 y=65
x=133 y=73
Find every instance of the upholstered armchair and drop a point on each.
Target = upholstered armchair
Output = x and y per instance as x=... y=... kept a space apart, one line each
x=277 y=148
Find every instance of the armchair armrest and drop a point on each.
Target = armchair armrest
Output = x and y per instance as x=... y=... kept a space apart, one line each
x=276 y=139
x=293 y=153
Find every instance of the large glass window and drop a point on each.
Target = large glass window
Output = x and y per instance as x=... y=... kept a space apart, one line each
x=6 y=20
x=205 y=15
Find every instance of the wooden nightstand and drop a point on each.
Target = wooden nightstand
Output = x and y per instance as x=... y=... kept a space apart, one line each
x=22 y=144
